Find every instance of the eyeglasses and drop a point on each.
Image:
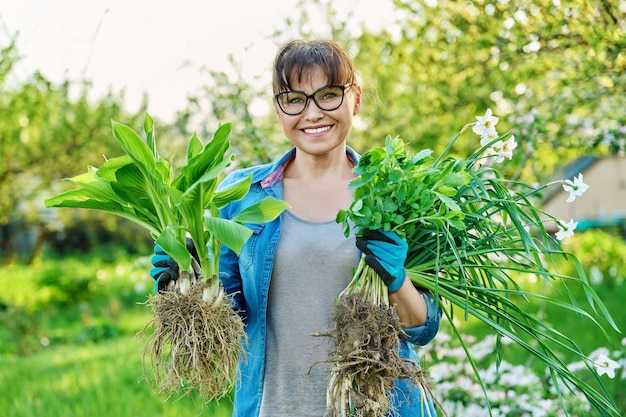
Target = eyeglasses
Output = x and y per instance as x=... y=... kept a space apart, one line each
x=327 y=98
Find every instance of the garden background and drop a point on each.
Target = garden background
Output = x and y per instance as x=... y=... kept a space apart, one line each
x=73 y=282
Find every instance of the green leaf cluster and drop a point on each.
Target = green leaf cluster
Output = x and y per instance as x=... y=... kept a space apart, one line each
x=142 y=187
x=400 y=191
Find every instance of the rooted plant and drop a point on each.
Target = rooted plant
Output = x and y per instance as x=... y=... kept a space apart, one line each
x=471 y=233
x=195 y=341
x=366 y=361
x=197 y=336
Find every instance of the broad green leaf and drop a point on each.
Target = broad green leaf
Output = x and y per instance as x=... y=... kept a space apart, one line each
x=232 y=192
x=193 y=147
x=212 y=154
x=108 y=169
x=230 y=233
x=172 y=240
x=92 y=186
x=263 y=211
x=76 y=199
x=148 y=128
x=223 y=131
x=164 y=170
x=209 y=175
x=134 y=146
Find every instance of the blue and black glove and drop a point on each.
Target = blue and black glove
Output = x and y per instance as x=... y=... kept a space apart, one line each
x=385 y=252
x=164 y=269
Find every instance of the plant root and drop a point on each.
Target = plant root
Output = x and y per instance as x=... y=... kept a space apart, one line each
x=366 y=360
x=195 y=343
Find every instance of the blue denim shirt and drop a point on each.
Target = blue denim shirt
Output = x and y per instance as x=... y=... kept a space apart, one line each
x=246 y=279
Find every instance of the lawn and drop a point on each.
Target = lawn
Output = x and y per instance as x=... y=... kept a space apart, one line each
x=80 y=355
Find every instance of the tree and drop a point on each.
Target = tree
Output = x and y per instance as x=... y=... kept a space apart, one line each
x=553 y=72
x=46 y=135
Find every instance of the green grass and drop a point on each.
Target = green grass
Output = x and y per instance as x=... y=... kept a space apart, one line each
x=92 y=380
x=81 y=356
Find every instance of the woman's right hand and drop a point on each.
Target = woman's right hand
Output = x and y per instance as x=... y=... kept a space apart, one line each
x=164 y=270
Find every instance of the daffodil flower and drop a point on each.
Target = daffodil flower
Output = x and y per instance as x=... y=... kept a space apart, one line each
x=566 y=229
x=488 y=137
x=575 y=187
x=505 y=149
x=605 y=365
x=486 y=125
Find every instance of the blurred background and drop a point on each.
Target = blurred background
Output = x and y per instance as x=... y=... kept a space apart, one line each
x=72 y=283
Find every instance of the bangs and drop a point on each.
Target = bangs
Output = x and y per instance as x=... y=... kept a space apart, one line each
x=298 y=60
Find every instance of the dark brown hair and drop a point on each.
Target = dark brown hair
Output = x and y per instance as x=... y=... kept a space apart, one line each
x=297 y=59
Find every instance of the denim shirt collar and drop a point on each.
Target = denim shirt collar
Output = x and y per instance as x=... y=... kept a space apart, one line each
x=274 y=174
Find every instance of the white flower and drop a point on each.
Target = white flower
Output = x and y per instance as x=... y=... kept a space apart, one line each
x=575 y=187
x=504 y=149
x=486 y=125
x=566 y=229
x=605 y=365
x=487 y=138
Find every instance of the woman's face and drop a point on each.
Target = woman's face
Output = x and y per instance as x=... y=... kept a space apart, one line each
x=316 y=131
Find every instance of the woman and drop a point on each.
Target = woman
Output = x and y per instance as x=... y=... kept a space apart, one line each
x=288 y=275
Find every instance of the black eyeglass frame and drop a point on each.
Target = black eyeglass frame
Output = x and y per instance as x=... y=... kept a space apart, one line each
x=312 y=96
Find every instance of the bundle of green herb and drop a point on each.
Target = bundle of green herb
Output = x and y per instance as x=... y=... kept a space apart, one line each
x=471 y=235
x=196 y=336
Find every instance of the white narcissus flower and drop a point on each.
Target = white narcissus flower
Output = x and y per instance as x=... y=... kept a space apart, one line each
x=575 y=187
x=505 y=149
x=487 y=138
x=566 y=229
x=486 y=125
x=605 y=365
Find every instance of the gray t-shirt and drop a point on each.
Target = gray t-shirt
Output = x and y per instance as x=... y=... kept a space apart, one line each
x=314 y=263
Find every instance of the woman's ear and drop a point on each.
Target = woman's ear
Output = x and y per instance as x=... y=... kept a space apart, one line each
x=358 y=96
x=276 y=110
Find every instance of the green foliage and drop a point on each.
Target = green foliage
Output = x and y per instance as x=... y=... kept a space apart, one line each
x=560 y=64
x=398 y=191
x=88 y=373
x=47 y=132
x=482 y=230
x=554 y=71
x=64 y=288
x=603 y=253
x=142 y=187
x=231 y=97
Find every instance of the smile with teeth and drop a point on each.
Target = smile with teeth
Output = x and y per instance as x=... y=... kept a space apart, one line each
x=317 y=129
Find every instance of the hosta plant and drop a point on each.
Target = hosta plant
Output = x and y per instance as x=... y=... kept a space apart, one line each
x=195 y=337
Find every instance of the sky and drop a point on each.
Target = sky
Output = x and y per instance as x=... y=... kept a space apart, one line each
x=158 y=47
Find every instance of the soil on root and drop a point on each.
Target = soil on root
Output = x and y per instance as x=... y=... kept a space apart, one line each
x=366 y=360
x=194 y=345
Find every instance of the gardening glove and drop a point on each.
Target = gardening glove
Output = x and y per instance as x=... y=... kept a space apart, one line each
x=165 y=269
x=385 y=252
